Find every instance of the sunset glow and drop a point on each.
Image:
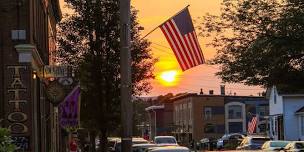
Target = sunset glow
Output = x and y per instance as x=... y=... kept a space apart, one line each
x=168 y=78
x=151 y=14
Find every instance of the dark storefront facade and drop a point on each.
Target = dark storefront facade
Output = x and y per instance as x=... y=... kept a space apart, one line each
x=27 y=31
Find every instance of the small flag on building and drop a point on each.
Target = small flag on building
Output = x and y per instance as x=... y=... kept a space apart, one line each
x=252 y=125
x=69 y=109
x=179 y=32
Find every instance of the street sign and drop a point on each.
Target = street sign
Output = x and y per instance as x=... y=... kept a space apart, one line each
x=65 y=81
x=52 y=71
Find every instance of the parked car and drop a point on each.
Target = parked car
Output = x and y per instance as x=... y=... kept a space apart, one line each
x=252 y=143
x=142 y=147
x=169 y=149
x=117 y=146
x=274 y=145
x=165 y=140
x=295 y=146
x=111 y=143
x=226 y=137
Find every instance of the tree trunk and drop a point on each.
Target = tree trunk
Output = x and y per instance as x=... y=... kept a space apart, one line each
x=92 y=141
x=103 y=141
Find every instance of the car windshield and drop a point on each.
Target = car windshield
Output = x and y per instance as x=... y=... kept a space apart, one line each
x=278 y=144
x=165 y=141
x=259 y=141
x=300 y=145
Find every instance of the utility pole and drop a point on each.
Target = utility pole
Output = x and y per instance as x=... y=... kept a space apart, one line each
x=125 y=70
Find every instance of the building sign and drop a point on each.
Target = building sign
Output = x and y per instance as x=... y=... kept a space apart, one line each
x=55 y=92
x=50 y=71
x=18 y=98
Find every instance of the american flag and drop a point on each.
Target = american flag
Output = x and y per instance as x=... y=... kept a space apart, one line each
x=180 y=34
x=252 y=125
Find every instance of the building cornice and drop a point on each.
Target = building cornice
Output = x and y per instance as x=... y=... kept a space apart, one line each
x=27 y=53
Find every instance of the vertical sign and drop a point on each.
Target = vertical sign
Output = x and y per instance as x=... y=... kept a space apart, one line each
x=18 y=95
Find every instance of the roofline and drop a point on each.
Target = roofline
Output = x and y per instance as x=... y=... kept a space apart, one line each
x=299 y=113
x=208 y=95
x=155 y=107
x=292 y=95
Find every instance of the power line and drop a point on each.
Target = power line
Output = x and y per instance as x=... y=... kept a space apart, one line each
x=163 y=51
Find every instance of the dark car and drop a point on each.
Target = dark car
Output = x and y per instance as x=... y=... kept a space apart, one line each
x=233 y=136
x=252 y=143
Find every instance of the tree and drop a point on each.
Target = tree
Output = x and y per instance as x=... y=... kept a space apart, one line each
x=259 y=42
x=89 y=40
x=6 y=144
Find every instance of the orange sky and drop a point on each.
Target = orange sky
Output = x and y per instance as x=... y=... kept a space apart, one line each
x=154 y=12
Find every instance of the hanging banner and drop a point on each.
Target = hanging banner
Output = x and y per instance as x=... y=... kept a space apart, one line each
x=69 y=109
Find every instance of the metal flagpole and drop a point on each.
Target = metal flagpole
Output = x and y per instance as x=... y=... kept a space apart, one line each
x=125 y=70
x=164 y=22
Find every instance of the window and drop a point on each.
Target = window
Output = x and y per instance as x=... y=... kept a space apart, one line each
x=235 y=112
x=209 y=128
x=263 y=110
x=207 y=113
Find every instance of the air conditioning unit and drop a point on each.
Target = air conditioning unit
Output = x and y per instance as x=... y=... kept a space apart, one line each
x=18 y=35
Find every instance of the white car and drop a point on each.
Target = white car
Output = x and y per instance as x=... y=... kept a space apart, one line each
x=295 y=146
x=252 y=143
x=165 y=140
x=169 y=149
x=142 y=147
x=274 y=145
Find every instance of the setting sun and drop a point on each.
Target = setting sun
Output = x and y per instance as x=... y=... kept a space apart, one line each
x=168 y=78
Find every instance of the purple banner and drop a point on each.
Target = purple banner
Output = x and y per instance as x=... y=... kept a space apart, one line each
x=69 y=110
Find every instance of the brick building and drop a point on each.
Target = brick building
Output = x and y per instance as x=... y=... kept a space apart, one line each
x=27 y=38
x=197 y=116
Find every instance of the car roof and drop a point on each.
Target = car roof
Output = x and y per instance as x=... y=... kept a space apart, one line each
x=143 y=145
x=164 y=137
x=257 y=136
x=175 y=148
x=278 y=141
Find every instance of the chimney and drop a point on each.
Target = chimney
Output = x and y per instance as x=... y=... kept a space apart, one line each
x=222 y=90
x=201 y=91
x=211 y=92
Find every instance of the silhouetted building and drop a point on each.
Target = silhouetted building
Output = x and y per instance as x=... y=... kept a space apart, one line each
x=27 y=38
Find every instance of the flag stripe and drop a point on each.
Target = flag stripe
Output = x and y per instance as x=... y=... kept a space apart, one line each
x=179 y=59
x=184 y=47
x=198 y=59
x=181 y=46
x=198 y=47
x=180 y=34
x=252 y=125
x=177 y=44
x=191 y=50
x=177 y=48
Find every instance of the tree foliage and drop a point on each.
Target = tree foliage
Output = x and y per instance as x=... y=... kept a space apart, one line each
x=89 y=40
x=259 y=42
x=6 y=144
